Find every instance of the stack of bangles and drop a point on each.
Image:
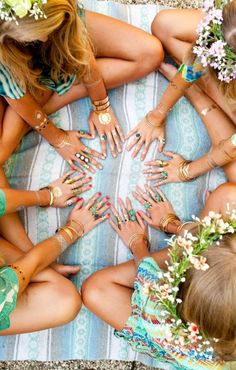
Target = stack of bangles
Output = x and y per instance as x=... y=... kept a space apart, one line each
x=187 y=227
x=137 y=237
x=74 y=230
x=101 y=108
x=165 y=221
x=183 y=171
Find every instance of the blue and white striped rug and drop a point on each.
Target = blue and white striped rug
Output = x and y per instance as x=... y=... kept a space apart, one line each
x=36 y=164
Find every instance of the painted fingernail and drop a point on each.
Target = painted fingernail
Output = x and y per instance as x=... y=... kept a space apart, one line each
x=108 y=204
x=79 y=199
x=99 y=193
x=90 y=185
x=90 y=178
x=83 y=173
x=108 y=215
x=107 y=197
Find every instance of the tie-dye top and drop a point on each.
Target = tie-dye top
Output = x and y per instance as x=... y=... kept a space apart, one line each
x=9 y=287
x=146 y=334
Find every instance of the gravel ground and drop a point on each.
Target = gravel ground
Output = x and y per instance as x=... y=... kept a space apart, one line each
x=97 y=365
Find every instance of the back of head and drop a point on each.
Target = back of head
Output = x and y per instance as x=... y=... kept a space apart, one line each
x=68 y=47
x=209 y=297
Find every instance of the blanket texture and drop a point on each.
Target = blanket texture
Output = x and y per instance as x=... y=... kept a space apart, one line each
x=36 y=163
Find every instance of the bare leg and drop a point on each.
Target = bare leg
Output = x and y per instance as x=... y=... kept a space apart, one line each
x=176 y=29
x=124 y=53
x=49 y=300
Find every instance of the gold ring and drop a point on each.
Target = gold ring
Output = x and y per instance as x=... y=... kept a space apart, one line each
x=70 y=162
x=69 y=181
x=76 y=191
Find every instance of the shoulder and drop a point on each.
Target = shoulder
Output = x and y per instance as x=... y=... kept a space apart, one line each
x=9 y=88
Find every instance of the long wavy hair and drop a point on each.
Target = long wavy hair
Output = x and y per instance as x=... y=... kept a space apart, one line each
x=209 y=297
x=67 y=51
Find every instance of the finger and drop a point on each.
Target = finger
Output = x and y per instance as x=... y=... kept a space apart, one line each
x=92 y=200
x=116 y=140
x=161 y=144
x=79 y=204
x=71 y=201
x=137 y=148
x=82 y=134
x=138 y=197
x=140 y=221
x=128 y=204
x=161 y=194
x=146 y=148
x=112 y=144
x=114 y=226
x=90 y=159
x=162 y=182
x=132 y=132
x=148 y=198
x=169 y=154
x=92 y=128
x=120 y=132
x=79 y=183
x=84 y=188
x=73 y=166
x=133 y=142
x=102 y=219
x=102 y=202
x=151 y=192
x=92 y=152
x=155 y=162
x=154 y=177
x=103 y=144
x=145 y=217
x=67 y=174
x=123 y=209
x=83 y=164
x=104 y=209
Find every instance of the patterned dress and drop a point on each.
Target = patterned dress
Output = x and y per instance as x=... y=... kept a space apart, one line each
x=146 y=334
x=9 y=287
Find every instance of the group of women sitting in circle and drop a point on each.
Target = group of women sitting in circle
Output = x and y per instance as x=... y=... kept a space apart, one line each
x=177 y=305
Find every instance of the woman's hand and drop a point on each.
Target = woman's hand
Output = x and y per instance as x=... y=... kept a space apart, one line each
x=91 y=214
x=155 y=203
x=165 y=171
x=108 y=128
x=73 y=150
x=149 y=129
x=67 y=187
x=130 y=225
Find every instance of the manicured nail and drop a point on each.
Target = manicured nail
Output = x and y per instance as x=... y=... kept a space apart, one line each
x=83 y=173
x=79 y=199
x=90 y=178
x=90 y=185
x=108 y=204
x=107 y=197
x=108 y=215
x=99 y=193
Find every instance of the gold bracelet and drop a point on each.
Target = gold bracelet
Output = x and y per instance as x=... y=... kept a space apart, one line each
x=67 y=231
x=101 y=108
x=166 y=220
x=134 y=238
x=80 y=232
x=101 y=102
x=17 y=268
x=148 y=122
x=208 y=109
x=51 y=201
x=179 y=229
x=183 y=171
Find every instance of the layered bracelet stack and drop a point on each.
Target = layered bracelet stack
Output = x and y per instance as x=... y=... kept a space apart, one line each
x=171 y=218
x=135 y=237
x=51 y=194
x=183 y=171
x=74 y=231
x=101 y=108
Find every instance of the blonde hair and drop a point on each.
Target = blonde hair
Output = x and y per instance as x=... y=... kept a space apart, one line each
x=228 y=90
x=67 y=51
x=209 y=297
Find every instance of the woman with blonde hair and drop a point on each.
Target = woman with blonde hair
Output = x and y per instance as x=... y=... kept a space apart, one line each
x=204 y=42
x=54 y=52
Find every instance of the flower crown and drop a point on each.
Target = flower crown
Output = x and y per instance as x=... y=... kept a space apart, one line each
x=10 y=9
x=185 y=252
x=211 y=47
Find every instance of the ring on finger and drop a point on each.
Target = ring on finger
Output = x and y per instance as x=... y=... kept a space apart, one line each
x=69 y=202
x=74 y=186
x=164 y=175
x=82 y=132
x=82 y=157
x=93 y=210
x=103 y=137
x=147 y=205
x=70 y=162
x=138 y=135
x=158 y=198
x=76 y=191
x=132 y=215
x=162 y=140
x=69 y=181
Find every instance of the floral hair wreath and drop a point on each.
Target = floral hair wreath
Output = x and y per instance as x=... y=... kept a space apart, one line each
x=11 y=9
x=211 y=47
x=185 y=252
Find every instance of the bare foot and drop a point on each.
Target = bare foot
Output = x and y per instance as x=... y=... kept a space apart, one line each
x=168 y=70
x=65 y=270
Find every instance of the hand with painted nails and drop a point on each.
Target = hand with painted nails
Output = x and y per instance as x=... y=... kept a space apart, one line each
x=149 y=129
x=64 y=191
x=74 y=151
x=108 y=129
x=129 y=225
x=155 y=203
x=164 y=171
x=84 y=218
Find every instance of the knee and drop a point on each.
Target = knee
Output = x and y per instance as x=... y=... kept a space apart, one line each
x=91 y=290
x=160 y=26
x=67 y=301
x=226 y=193
x=150 y=57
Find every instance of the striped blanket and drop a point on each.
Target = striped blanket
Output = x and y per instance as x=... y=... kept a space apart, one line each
x=36 y=164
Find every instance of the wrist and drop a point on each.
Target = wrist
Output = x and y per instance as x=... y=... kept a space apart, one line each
x=139 y=245
x=157 y=116
x=43 y=197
